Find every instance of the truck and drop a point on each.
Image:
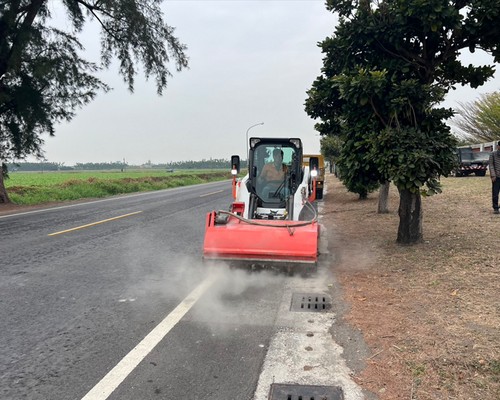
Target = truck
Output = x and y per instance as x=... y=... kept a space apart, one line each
x=471 y=162
x=320 y=179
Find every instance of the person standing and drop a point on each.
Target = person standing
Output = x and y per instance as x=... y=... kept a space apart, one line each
x=494 y=165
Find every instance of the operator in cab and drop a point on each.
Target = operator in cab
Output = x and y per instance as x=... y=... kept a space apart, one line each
x=274 y=171
x=272 y=178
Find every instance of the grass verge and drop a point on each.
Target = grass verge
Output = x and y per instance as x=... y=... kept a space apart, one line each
x=35 y=188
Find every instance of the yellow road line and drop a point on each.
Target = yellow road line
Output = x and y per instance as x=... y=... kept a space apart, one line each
x=209 y=194
x=94 y=223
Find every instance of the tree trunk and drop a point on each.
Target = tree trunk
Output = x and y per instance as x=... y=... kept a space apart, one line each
x=410 y=217
x=383 y=198
x=3 y=192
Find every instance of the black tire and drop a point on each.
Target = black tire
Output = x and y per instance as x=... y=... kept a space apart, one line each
x=319 y=194
x=480 y=173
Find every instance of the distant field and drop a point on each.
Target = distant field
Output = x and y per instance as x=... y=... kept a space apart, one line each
x=30 y=188
x=54 y=178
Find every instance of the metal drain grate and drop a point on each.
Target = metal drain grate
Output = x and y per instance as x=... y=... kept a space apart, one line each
x=310 y=302
x=305 y=392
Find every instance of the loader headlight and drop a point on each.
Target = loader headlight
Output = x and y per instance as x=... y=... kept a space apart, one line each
x=234 y=172
x=314 y=173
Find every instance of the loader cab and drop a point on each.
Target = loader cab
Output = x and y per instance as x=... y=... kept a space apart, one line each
x=275 y=172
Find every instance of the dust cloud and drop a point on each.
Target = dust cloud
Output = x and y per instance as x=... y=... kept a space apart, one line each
x=161 y=277
x=240 y=297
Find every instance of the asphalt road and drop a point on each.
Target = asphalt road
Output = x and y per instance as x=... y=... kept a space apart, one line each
x=109 y=299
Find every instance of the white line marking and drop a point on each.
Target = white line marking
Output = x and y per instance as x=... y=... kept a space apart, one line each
x=209 y=194
x=117 y=375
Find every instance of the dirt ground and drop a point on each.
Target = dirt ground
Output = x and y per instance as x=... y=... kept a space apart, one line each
x=429 y=313
x=15 y=208
x=12 y=208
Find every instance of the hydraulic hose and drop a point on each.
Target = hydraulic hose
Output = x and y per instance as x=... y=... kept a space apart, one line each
x=287 y=226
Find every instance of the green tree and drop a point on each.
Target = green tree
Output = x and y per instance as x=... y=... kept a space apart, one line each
x=44 y=79
x=330 y=148
x=479 y=121
x=386 y=68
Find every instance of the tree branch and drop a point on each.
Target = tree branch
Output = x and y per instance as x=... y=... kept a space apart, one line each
x=19 y=41
x=377 y=113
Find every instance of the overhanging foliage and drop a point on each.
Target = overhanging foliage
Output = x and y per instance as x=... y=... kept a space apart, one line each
x=386 y=69
x=43 y=77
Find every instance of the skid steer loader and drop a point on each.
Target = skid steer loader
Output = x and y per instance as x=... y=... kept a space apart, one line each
x=273 y=220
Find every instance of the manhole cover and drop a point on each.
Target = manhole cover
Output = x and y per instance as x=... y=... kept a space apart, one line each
x=310 y=302
x=305 y=392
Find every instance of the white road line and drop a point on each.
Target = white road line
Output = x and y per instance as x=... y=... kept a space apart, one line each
x=117 y=375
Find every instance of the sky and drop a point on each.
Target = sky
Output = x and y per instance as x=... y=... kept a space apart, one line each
x=249 y=62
